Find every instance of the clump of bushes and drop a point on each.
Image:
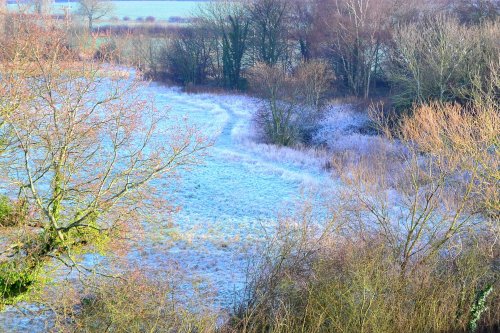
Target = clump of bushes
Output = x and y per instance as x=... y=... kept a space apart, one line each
x=17 y=278
x=407 y=247
x=21 y=267
x=107 y=51
x=293 y=100
x=135 y=303
x=437 y=59
x=330 y=283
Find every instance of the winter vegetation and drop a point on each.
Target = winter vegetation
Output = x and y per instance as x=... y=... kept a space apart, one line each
x=263 y=166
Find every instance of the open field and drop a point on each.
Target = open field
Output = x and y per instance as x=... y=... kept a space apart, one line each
x=133 y=10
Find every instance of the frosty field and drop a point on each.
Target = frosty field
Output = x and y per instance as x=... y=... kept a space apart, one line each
x=230 y=199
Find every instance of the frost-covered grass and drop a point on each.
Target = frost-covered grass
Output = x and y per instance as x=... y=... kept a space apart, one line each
x=229 y=200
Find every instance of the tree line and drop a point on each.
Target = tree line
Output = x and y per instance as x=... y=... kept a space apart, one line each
x=373 y=47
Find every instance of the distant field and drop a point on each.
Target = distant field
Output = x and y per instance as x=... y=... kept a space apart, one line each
x=160 y=10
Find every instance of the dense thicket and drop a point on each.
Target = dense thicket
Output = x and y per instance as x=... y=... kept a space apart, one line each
x=415 y=50
x=411 y=244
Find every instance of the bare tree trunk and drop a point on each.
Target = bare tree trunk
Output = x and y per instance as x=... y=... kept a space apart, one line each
x=43 y=7
x=3 y=13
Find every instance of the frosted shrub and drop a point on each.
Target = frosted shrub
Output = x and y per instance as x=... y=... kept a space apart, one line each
x=314 y=79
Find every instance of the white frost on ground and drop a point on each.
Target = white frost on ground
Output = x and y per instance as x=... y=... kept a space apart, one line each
x=239 y=190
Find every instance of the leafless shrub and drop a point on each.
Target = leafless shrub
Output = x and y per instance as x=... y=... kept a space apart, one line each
x=437 y=59
x=279 y=114
x=139 y=302
x=292 y=101
x=314 y=78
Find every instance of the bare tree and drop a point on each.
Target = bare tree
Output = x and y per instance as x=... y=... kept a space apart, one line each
x=231 y=24
x=475 y=11
x=355 y=31
x=93 y=10
x=269 y=29
x=42 y=7
x=188 y=55
x=437 y=58
x=303 y=28
x=86 y=151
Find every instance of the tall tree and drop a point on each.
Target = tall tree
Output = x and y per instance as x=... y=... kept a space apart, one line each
x=93 y=10
x=303 y=16
x=232 y=26
x=269 y=29
x=189 y=55
x=355 y=31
